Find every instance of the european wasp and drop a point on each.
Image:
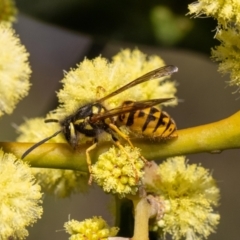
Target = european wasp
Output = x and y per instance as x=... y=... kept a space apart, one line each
x=140 y=117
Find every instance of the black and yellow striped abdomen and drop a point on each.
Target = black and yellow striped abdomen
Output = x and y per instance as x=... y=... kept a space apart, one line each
x=148 y=122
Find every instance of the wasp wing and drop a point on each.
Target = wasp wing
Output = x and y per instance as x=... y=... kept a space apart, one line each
x=129 y=108
x=157 y=73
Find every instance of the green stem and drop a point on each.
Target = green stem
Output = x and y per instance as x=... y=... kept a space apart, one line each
x=213 y=137
x=142 y=214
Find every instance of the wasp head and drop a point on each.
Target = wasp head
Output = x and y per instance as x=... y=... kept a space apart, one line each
x=75 y=123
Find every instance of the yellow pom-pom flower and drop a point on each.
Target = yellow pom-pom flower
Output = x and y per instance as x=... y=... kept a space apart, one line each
x=90 y=229
x=93 y=79
x=61 y=183
x=35 y=129
x=119 y=170
x=19 y=198
x=190 y=195
x=227 y=54
x=14 y=70
x=225 y=12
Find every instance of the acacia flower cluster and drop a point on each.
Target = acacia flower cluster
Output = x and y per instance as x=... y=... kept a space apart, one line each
x=223 y=11
x=119 y=170
x=20 y=197
x=14 y=70
x=228 y=18
x=90 y=229
x=228 y=53
x=189 y=194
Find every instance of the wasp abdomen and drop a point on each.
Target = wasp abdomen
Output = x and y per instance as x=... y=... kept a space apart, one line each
x=148 y=122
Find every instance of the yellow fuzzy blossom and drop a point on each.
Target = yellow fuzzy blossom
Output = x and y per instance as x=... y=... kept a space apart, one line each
x=61 y=183
x=228 y=17
x=190 y=194
x=119 y=170
x=35 y=129
x=7 y=11
x=93 y=79
x=90 y=229
x=224 y=12
x=14 y=70
x=228 y=53
x=19 y=198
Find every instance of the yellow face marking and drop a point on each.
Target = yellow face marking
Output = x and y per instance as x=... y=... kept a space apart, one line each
x=95 y=110
x=79 y=121
x=72 y=130
x=88 y=127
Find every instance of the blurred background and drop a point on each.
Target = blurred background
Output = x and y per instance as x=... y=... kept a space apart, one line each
x=154 y=22
x=59 y=34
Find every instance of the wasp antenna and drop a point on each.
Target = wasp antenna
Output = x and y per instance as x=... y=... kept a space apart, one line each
x=51 y=120
x=169 y=69
x=39 y=143
x=174 y=68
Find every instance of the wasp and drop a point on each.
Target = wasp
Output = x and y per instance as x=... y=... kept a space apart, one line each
x=141 y=117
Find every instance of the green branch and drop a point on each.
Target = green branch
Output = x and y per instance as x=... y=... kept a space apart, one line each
x=142 y=214
x=213 y=137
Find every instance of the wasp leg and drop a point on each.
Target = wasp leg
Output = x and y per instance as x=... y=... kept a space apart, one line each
x=120 y=133
x=124 y=136
x=89 y=162
x=119 y=145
